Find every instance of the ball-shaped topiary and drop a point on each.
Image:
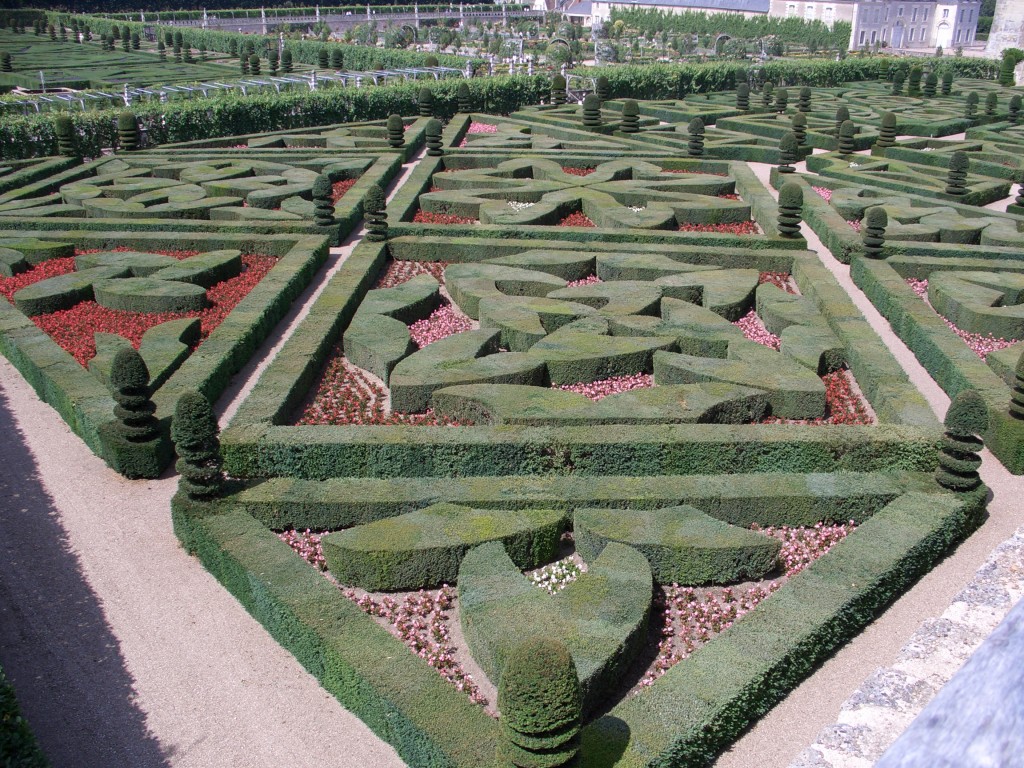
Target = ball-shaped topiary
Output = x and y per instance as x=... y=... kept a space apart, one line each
x=323 y=201
x=425 y=102
x=195 y=433
x=127 y=132
x=914 y=80
x=966 y=420
x=842 y=115
x=254 y=64
x=991 y=103
x=435 y=147
x=743 y=97
x=789 y=149
x=630 y=117
x=956 y=177
x=133 y=409
x=695 y=145
x=846 y=133
x=430 y=61
x=464 y=99
x=375 y=214
x=287 y=62
x=558 y=90
x=541 y=706
x=872 y=231
x=396 y=131
x=887 y=133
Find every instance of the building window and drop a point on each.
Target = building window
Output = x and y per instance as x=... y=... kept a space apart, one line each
x=874 y=35
x=970 y=15
x=911 y=39
x=945 y=13
x=925 y=16
x=830 y=15
x=961 y=16
x=958 y=35
x=913 y=14
x=899 y=11
x=861 y=41
x=791 y=9
x=809 y=11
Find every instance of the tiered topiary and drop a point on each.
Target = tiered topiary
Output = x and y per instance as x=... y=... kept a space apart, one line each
x=127 y=132
x=846 y=133
x=789 y=149
x=791 y=203
x=887 y=133
x=591 y=111
x=603 y=89
x=991 y=103
x=323 y=58
x=1006 y=78
x=134 y=409
x=947 y=83
x=243 y=64
x=374 y=205
x=743 y=97
x=323 y=201
x=767 y=94
x=465 y=100
x=287 y=65
x=781 y=100
x=195 y=433
x=966 y=420
x=1014 y=109
x=5 y=62
x=971 y=104
x=435 y=147
x=872 y=231
x=161 y=50
x=798 y=123
x=396 y=131
x=65 y=131
x=914 y=80
x=425 y=102
x=695 y=146
x=956 y=178
x=541 y=706
x=430 y=61
x=254 y=65
x=272 y=59
x=630 y=117
x=337 y=59
x=931 y=85
x=842 y=115
x=558 y=90
x=137 y=43
x=803 y=102
x=1017 y=394
x=1018 y=178
x=897 y=82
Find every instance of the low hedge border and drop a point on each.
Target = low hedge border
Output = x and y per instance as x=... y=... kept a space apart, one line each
x=25 y=172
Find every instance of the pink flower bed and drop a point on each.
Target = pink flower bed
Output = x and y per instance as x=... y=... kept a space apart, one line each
x=578 y=171
x=596 y=390
x=701 y=173
x=577 y=219
x=782 y=280
x=476 y=128
x=981 y=345
x=306 y=544
x=589 y=280
x=423 y=217
x=842 y=404
x=398 y=272
x=444 y=322
x=854 y=224
x=733 y=228
x=823 y=193
x=754 y=330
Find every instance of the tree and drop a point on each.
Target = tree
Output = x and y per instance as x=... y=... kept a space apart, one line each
x=133 y=409
x=195 y=433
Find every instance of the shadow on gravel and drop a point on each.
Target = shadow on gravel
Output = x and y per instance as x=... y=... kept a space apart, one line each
x=55 y=645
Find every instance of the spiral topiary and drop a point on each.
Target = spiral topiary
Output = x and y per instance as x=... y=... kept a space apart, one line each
x=65 y=130
x=931 y=85
x=127 y=132
x=966 y=420
x=872 y=231
x=287 y=65
x=591 y=111
x=603 y=89
x=425 y=102
x=323 y=201
x=541 y=706
x=846 y=133
x=781 y=100
x=1018 y=179
x=558 y=87
x=1006 y=76
x=396 y=131
x=956 y=177
x=803 y=99
x=991 y=103
x=1017 y=394
x=887 y=133
x=897 y=82
x=842 y=115
x=798 y=124
x=134 y=409
x=789 y=149
x=971 y=104
x=337 y=58
x=947 y=83
x=743 y=97
x=1014 y=109
x=914 y=80
x=375 y=214
x=435 y=147
x=323 y=59
x=6 y=63
x=462 y=95
x=791 y=203
x=695 y=146
x=630 y=117
x=767 y=94
x=195 y=433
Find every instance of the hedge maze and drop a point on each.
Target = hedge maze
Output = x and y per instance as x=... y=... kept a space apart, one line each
x=585 y=390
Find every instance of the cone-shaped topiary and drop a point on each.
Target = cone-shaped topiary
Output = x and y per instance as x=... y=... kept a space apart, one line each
x=591 y=111
x=767 y=94
x=161 y=50
x=558 y=90
x=287 y=65
x=846 y=133
x=6 y=64
x=630 y=117
x=743 y=97
x=425 y=102
x=323 y=58
x=897 y=82
x=914 y=80
x=465 y=100
x=195 y=432
x=872 y=231
x=129 y=384
x=1006 y=78
x=541 y=706
x=396 y=131
x=435 y=147
x=374 y=204
x=798 y=123
x=887 y=133
x=243 y=65
x=695 y=146
x=931 y=85
x=947 y=83
x=966 y=420
x=1019 y=180
x=1014 y=109
x=1017 y=395
x=323 y=201
x=781 y=100
x=254 y=64
x=991 y=103
x=803 y=99
x=603 y=89
x=789 y=149
x=337 y=59
x=65 y=131
x=127 y=132
x=842 y=115
x=971 y=104
x=791 y=204
x=956 y=178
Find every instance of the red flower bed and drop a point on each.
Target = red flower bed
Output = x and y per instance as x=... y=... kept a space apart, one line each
x=843 y=405
x=339 y=188
x=979 y=344
x=398 y=272
x=729 y=197
x=423 y=217
x=754 y=330
x=578 y=171
x=444 y=322
x=782 y=280
x=52 y=268
x=733 y=228
x=577 y=219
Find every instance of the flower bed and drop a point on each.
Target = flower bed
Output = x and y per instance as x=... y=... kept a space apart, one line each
x=445 y=321
x=577 y=219
x=339 y=188
x=981 y=345
x=424 y=217
x=398 y=272
x=730 y=228
x=596 y=390
x=755 y=331
x=842 y=403
x=782 y=280
x=578 y=171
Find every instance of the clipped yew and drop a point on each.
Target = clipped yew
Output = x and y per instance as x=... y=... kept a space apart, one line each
x=603 y=89
x=6 y=64
x=127 y=132
x=956 y=177
x=464 y=98
x=65 y=130
x=781 y=100
x=798 y=124
x=630 y=117
x=1017 y=393
x=846 y=133
x=1006 y=67
x=767 y=91
x=898 y=79
x=323 y=201
x=425 y=102
x=558 y=87
x=396 y=131
x=947 y=83
x=966 y=420
x=1014 y=109
x=872 y=231
x=196 y=439
x=591 y=111
x=887 y=132
x=991 y=103
x=914 y=80
x=931 y=85
x=695 y=146
x=323 y=59
x=337 y=59
x=803 y=99
x=971 y=104
x=435 y=147
x=541 y=706
x=789 y=149
x=375 y=214
x=287 y=62
x=134 y=408
x=743 y=97
x=791 y=203
x=842 y=115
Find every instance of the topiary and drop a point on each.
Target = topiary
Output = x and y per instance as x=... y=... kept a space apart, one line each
x=897 y=82
x=743 y=97
x=603 y=89
x=464 y=98
x=767 y=94
x=591 y=111
x=254 y=64
x=798 y=123
x=558 y=87
x=127 y=132
x=337 y=59
x=435 y=147
x=956 y=178
x=195 y=433
x=842 y=115
x=630 y=117
x=323 y=201
x=323 y=58
x=272 y=59
x=286 y=61
x=971 y=104
x=1006 y=76
x=1014 y=109
x=6 y=64
x=947 y=83
x=789 y=149
x=541 y=706
x=872 y=231
x=791 y=203
x=396 y=131
x=914 y=80
x=991 y=103
x=425 y=102
x=243 y=65
x=65 y=130
x=1017 y=394
x=133 y=409
x=695 y=146
x=781 y=100
x=137 y=42
x=161 y=50
x=966 y=419
x=803 y=102
x=430 y=61
x=846 y=133
x=375 y=214
x=931 y=85
x=887 y=133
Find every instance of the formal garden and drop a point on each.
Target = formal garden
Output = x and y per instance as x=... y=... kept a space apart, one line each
x=580 y=445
